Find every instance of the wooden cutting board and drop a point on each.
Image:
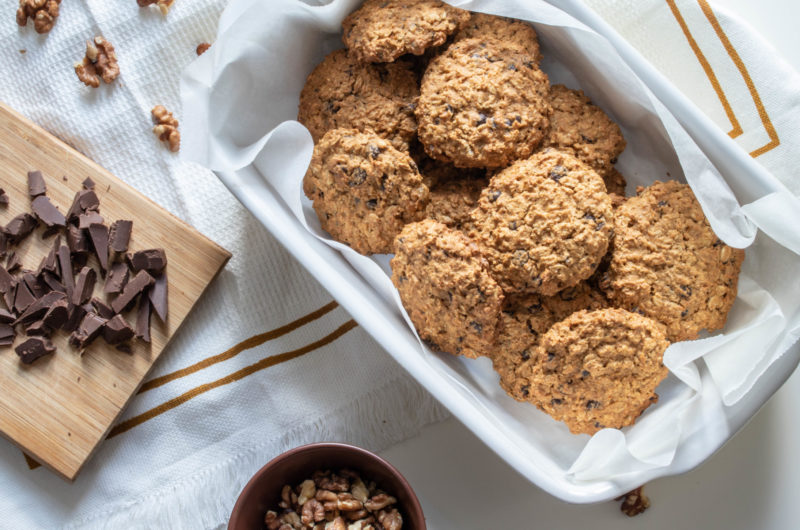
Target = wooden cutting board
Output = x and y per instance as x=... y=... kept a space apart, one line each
x=61 y=407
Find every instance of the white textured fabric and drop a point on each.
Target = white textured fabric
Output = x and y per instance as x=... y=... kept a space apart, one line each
x=185 y=467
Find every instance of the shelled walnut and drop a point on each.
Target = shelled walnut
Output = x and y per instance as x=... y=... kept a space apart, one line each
x=99 y=62
x=163 y=5
x=166 y=127
x=334 y=501
x=202 y=48
x=43 y=13
x=634 y=502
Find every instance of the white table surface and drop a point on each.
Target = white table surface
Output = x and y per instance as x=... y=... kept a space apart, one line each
x=751 y=483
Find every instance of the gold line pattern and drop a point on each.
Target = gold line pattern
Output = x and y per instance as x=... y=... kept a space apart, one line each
x=235 y=376
x=712 y=77
x=737 y=60
x=252 y=342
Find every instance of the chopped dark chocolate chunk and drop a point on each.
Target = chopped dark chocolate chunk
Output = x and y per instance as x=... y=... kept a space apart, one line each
x=158 y=296
x=102 y=309
x=6 y=334
x=143 y=319
x=84 y=285
x=152 y=260
x=37 y=289
x=117 y=330
x=13 y=263
x=3 y=243
x=47 y=212
x=23 y=298
x=87 y=331
x=91 y=217
x=125 y=347
x=6 y=317
x=10 y=294
x=88 y=201
x=116 y=279
x=20 y=227
x=39 y=329
x=34 y=348
x=50 y=262
x=75 y=209
x=6 y=280
x=52 y=282
x=75 y=314
x=57 y=314
x=88 y=183
x=120 y=235
x=134 y=287
x=36 y=185
x=77 y=240
x=39 y=307
x=3 y=197
x=99 y=234
x=66 y=270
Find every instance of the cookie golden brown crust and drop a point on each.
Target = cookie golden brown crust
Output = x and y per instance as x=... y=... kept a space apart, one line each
x=585 y=131
x=669 y=265
x=505 y=29
x=525 y=318
x=380 y=31
x=453 y=200
x=596 y=369
x=449 y=295
x=364 y=190
x=544 y=223
x=343 y=93
x=483 y=103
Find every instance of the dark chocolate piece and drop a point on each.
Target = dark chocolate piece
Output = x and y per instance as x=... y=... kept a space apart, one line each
x=36 y=185
x=88 y=201
x=6 y=317
x=158 y=296
x=10 y=294
x=13 y=263
x=134 y=287
x=117 y=330
x=20 y=227
x=47 y=212
x=3 y=243
x=34 y=348
x=37 y=289
x=3 y=197
x=91 y=326
x=125 y=347
x=39 y=307
x=116 y=279
x=88 y=183
x=152 y=260
x=99 y=234
x=6 y=280
x=120 y=235
x=75 y=208
x=77 y=240
x=50 y=262
x=75 y=314
x=91 y=217
x=39 y=329
x=23 y=298
x=52 y=282
x=66 y=270
x=7 y=335
x=84 y=285
x=143 y=319
x=57 y=314
x=102 y=309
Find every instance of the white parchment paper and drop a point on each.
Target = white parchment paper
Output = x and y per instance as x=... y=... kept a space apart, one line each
x=240 y=97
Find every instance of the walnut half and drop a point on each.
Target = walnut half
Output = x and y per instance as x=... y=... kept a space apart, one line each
x=99 y=62
x=43 y=13
x=166 y=127
x=634 y=502
x=163 y=5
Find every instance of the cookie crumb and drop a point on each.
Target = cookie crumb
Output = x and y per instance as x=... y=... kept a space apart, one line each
x=43 y=12
x=166 y=127
x=99 y=62
x=634 y=502
x=202 y=48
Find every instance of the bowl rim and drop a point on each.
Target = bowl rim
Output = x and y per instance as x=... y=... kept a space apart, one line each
x=415 y=506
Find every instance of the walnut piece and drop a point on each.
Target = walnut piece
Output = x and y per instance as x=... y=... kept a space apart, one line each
x=43 y=13
x=163 y=5
x=634 y=502
x=99 y=62
x=202 y=48
x=166 y=127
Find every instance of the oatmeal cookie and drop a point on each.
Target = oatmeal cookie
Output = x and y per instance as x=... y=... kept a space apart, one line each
x=453 y=200
x=483 y=103
x=544 y=223
x=525 y=318
x=452 y=300
x=364 y=190
x=669 y=265
x=505 y=29
x=380 y=31
x=343 y=93
x=596 y=369
x=585 y=131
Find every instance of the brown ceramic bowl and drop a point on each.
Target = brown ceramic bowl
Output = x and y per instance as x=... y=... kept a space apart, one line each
x=263 y=492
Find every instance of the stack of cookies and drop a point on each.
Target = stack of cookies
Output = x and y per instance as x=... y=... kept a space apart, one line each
x=438 y=138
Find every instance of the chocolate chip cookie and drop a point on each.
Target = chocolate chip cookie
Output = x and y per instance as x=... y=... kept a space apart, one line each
x=506 y=29
x=585 y=131
x=343 y=93
x=669 y=265
x=380 y=31
x=364 y=190
x=446 y=289
x=483 y=103
x=525 y=318
x=596 y=369
x=453 y=200
x=544 y=223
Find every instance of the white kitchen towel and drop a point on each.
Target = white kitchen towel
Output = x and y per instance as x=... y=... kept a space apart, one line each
x=185 y=447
